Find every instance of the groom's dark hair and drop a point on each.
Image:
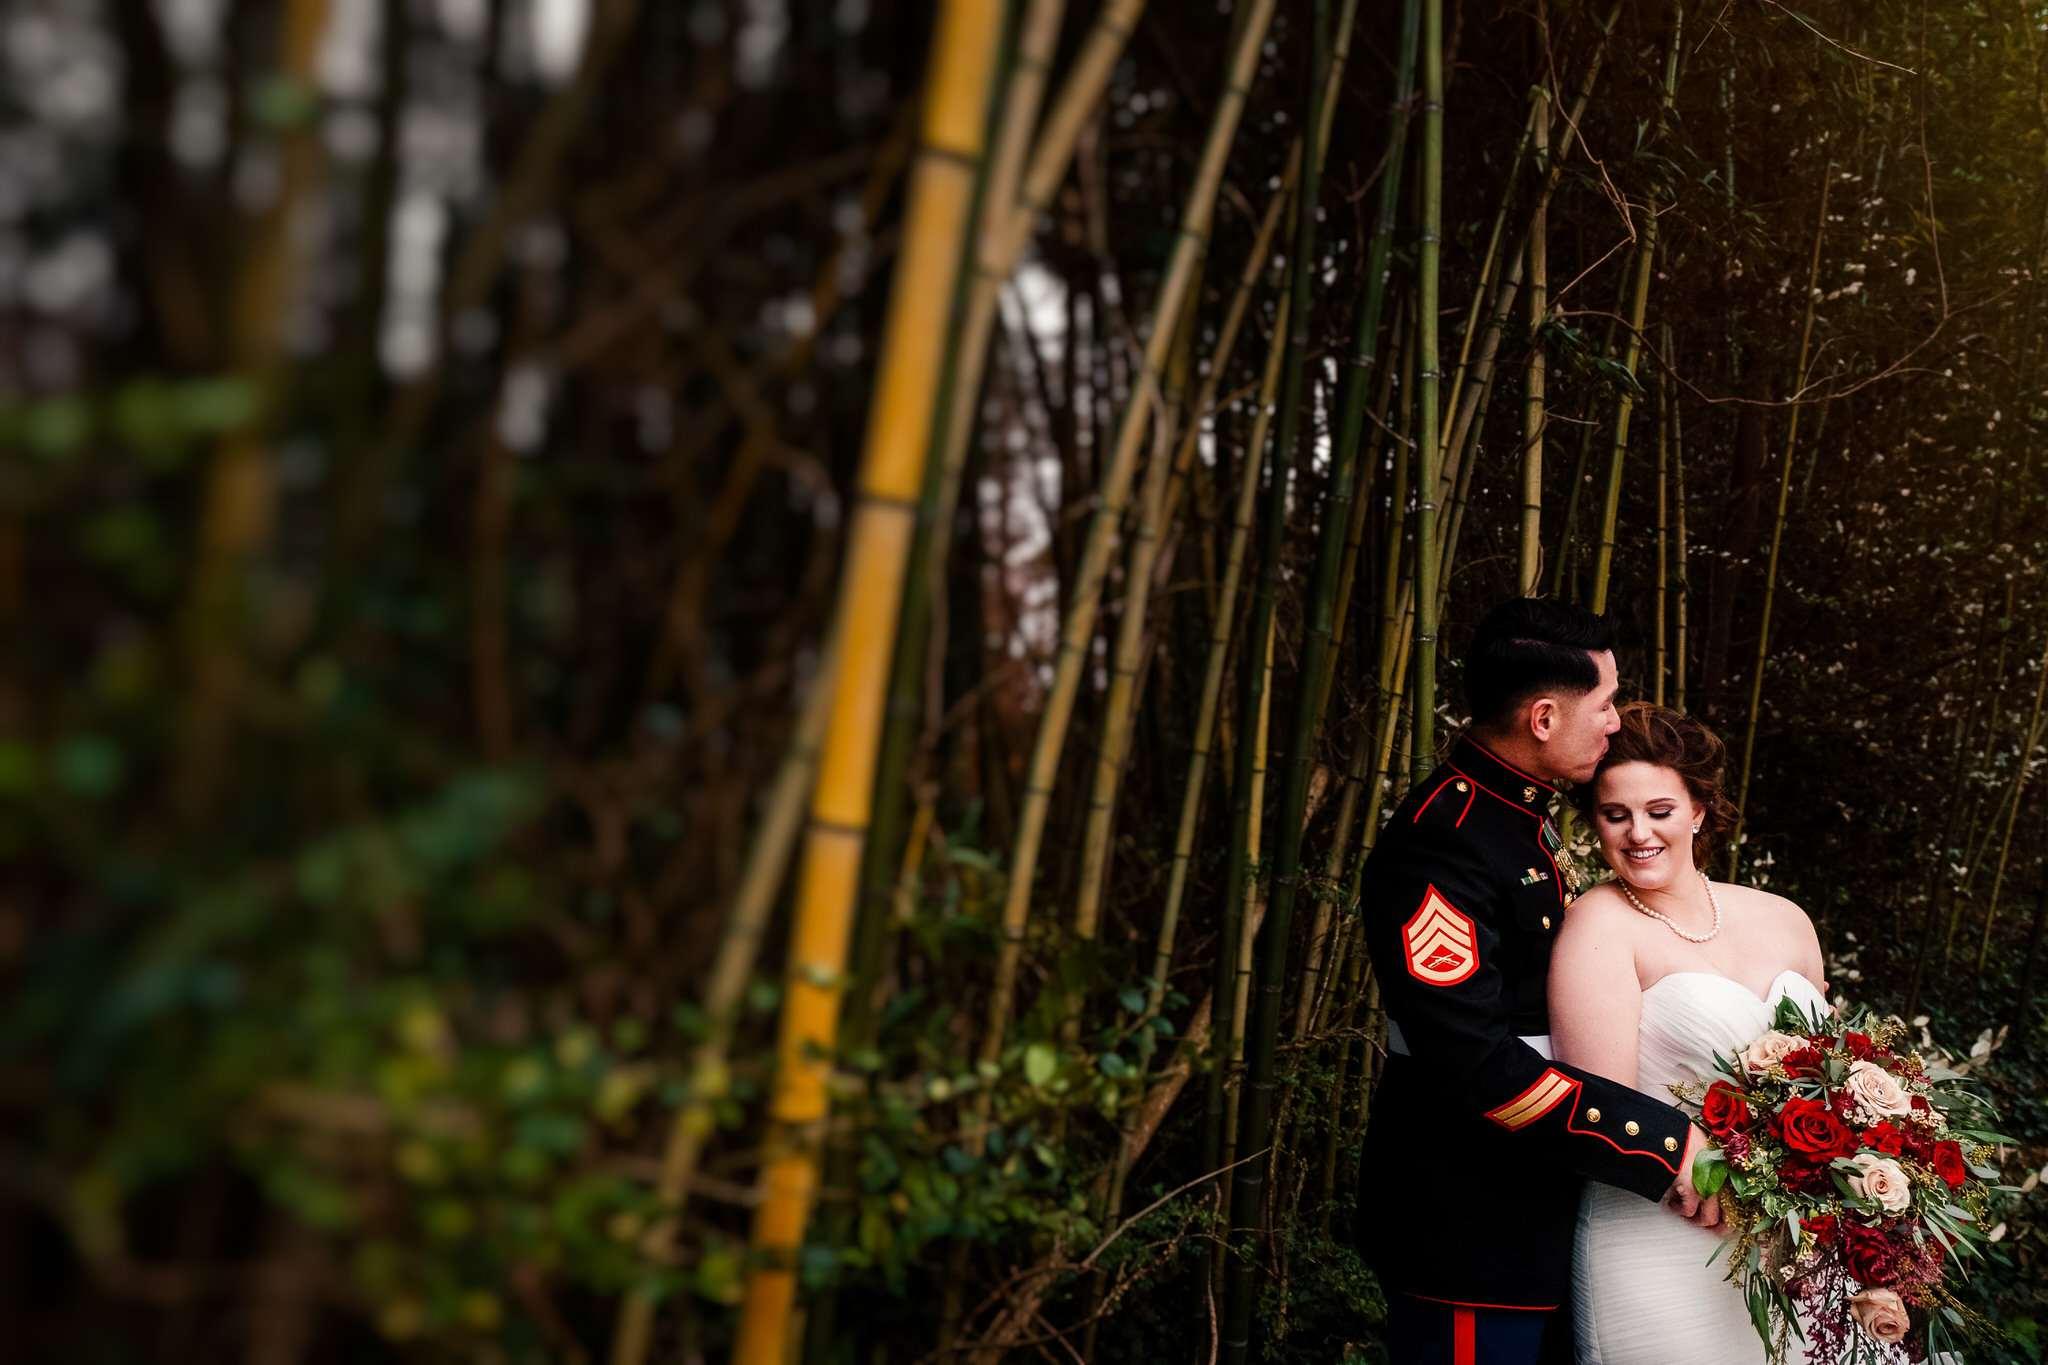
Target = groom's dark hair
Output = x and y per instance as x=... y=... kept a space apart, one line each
x=1528 y=646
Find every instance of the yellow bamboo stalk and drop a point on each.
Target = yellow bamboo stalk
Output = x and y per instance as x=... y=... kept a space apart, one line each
x=1078 y=631
x=871 y=587
x=2019 y=785
x=1663 y=533
x=1682 y=582
x=236 y=507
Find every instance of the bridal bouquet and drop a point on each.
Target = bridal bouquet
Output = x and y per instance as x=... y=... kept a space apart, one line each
x=1855 y=1176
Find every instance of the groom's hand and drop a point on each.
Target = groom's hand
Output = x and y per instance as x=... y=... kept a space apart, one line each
x=1683 y=1198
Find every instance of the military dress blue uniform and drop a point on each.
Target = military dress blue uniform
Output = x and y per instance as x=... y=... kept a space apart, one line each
x=1479 y=1142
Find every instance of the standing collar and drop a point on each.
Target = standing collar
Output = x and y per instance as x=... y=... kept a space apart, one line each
x=1499 y=776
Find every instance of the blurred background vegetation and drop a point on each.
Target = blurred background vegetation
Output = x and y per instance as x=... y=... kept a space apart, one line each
x=428 y=435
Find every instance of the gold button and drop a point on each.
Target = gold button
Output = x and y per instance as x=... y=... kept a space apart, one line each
x=1670 y=1144
x=1460 y=787
x=1546 y=921
x=1592 y=1116
x=1631 y=1128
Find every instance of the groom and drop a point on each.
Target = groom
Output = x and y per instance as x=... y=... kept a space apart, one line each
x=1478 y=1140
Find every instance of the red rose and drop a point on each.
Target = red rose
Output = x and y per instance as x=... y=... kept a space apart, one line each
x=1724 y=1109
x=1804 y=1061
x=1885 y=1138
x=1948 y=1163
x=1870 y=1254
x=1824 y=1228
x=1812 y=1131
x=1860 y=1047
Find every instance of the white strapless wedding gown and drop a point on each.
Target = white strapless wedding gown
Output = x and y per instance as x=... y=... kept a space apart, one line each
x=1643 y=1290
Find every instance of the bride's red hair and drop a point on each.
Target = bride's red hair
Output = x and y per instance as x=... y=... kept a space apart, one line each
x=1671 y=739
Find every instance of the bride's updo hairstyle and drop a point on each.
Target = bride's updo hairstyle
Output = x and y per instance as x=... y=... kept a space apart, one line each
x=1670 y=739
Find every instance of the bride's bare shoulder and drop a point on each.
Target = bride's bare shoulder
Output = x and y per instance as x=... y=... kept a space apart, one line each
x=1599 y=906
x=1756 y=901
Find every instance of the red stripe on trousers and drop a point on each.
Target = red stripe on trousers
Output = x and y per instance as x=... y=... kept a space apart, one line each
x=1464 y=1337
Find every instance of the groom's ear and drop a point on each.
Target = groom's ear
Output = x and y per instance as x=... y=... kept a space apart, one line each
x=1541 y=718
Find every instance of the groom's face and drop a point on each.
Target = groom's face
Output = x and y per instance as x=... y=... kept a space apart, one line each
x=1579 y=725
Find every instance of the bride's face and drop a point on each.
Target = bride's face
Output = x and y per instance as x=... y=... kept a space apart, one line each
x=1644 y=818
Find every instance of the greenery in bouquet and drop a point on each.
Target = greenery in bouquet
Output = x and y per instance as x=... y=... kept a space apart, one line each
x=1856 y=1176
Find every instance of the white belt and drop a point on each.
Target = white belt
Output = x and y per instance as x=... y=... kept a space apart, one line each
x=1399 y=1045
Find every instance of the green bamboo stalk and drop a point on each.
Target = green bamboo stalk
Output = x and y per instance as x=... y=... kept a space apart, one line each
x=1248 y=926
x=2019 y=783
x=1078 y=631
x=1238 y=859
x=1624 y=408
x=1682 y=584
x=1657 y=664
x=1763 y=637
x=1362 y=505
x=1428 y=454
x=1336 y=557
x=1247 y=1201
x=1646 y=257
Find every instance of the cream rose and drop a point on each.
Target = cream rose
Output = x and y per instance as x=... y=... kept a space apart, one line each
x=1877 y=1090
x=1769 y=1049
x=1881 y=1313
x=1881 y=1179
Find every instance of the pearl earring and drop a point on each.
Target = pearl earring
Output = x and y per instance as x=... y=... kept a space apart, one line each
x=1695 y=829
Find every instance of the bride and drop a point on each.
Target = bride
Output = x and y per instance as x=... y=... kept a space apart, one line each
x=1653 y=973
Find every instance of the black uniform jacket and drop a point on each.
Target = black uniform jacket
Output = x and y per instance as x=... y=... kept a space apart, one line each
x=1477 y=1145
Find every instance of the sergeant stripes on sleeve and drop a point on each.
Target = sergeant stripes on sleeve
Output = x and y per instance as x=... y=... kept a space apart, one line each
x=1533 y=1103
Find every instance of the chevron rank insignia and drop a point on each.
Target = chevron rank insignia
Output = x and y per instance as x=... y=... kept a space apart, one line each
x=1533 y=1103
x=1441 y=943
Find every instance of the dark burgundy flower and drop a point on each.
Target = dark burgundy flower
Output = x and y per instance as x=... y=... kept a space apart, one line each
x=1799 y=1178
x=1870 y=1253
x=1812 y=1132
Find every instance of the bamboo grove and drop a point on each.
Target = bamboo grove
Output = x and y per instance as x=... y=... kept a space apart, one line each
x=754 y=740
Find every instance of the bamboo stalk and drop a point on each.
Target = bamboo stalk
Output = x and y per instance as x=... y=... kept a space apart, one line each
x=1657 y=664
x=1248 y=1196
x=1763 y=638
x=1256 y=909
x=878 y=545
x=237 y=504
x=1078 y=630
x=1610 y=507
x=731 y=969
x=1683 y=581
x=1336 y=557
x=2019 y=783
x=1428 y=455
x=1362 y=505
x=1129 y=648
x=1646 y=257
x=1221 y=1035
x=1537 y=253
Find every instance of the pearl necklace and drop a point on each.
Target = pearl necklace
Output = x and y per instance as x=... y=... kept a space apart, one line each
x=1672 y=924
